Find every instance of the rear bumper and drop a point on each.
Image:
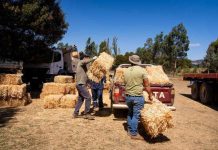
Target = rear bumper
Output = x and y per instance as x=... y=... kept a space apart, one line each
x=120 y=106
x=124 y=106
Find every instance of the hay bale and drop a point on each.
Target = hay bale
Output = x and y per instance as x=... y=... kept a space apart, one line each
x=17 y=91
x=119 y=75
x=58 y=88
x=14 y=79
x=155 y=117
x=12 y=91
x=63 y=79
x=52 y=101
x=14 y=102
x=156 y=75
x=100 y=67
x=68 y=101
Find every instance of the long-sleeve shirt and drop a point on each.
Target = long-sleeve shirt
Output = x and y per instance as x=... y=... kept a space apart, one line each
x=81 y=76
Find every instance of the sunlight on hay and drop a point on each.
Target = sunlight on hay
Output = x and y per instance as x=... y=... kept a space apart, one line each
x=63 y=79
x=100 y=67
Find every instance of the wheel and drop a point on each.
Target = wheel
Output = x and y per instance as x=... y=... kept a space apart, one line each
x=206 y=93
x=195 y=90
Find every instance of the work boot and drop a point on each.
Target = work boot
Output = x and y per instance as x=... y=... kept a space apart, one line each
x=89 y=117
x=135 y=137
x=76 y=116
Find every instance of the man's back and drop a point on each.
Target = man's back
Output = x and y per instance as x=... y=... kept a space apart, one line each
x=133 y=78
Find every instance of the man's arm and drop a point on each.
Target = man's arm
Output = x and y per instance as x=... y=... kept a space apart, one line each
x=84 y=62
x=148 y=88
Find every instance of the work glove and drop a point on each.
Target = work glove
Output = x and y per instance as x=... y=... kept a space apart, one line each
x=95 y=57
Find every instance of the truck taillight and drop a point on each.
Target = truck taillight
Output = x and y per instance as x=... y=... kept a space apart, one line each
x=116 y=92
x=173 y=92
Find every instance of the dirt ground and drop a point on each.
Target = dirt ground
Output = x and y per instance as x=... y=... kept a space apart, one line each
x=32 y=127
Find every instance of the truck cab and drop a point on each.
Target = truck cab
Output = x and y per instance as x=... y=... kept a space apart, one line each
x=164 y=93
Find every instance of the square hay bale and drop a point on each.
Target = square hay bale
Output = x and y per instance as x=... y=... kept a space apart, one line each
x=15 y=102
x=68 y=101
x=155 y=117
x=52 y=101
x=63 y=79
x=119 y=75
x=156 y=75
x=14 y=79
x=17 y=91
x=71 y=88
x=12 y=91
x=100 y=67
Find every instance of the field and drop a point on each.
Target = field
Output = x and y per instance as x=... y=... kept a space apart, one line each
x=32 y=127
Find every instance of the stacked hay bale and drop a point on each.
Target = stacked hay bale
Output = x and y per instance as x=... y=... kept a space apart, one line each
x=60 y=93
x=156 y=75
x=100 y=67
x=13 y=91
x=155 y=117
x=119 y=75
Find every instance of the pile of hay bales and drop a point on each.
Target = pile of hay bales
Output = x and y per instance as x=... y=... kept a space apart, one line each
x=155 y=74
x=100 y=67
x=155 y=117
x=60 y=93
x=13 y=91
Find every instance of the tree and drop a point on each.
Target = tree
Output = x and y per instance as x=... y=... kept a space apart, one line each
x=176 y=45
x=29 y=28
x=66 y=47
x=115 y=47
x=157 y=51
x=91 y=48
x=211 y=58
x=103 y=47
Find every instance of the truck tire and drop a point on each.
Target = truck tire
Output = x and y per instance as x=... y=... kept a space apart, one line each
x=206 y=93
x=195 y=91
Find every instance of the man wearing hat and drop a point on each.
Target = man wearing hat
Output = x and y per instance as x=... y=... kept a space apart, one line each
x=135 y=82
x=81 y=85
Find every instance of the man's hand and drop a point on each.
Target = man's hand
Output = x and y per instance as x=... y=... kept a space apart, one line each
x=150 y=97
x=95 y=57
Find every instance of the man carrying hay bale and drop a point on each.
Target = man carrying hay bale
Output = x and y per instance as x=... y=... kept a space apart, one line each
x=135 y=81
x=81 y=85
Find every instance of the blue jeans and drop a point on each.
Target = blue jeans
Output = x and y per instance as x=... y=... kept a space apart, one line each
x=97 y=97
x=135 y=104
x=83 y=94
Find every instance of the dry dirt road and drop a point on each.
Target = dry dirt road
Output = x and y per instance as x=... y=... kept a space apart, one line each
x=32 y=127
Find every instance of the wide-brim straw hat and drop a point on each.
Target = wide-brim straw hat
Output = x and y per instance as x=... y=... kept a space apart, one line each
x=135 y=59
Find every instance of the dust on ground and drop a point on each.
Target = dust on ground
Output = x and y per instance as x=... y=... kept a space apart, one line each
x=32 y=127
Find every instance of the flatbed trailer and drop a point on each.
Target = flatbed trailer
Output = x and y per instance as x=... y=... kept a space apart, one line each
x=204 y=86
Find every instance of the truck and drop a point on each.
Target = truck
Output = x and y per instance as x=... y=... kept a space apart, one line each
x=61 y=63
x=164 y=93
x=203 y=86
x=10 y=66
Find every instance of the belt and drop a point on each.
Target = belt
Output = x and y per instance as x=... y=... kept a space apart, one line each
x=132 y=95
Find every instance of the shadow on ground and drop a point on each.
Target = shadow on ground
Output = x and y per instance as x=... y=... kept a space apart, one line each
x=211 y=105
x=159 y=139
x=7 y=115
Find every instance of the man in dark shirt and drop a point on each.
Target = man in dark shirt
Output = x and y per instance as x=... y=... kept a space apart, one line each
x=81 y=85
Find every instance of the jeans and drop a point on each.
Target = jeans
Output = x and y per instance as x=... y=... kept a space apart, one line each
x=135 y=104
x=97 y=97
x=83 y=94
